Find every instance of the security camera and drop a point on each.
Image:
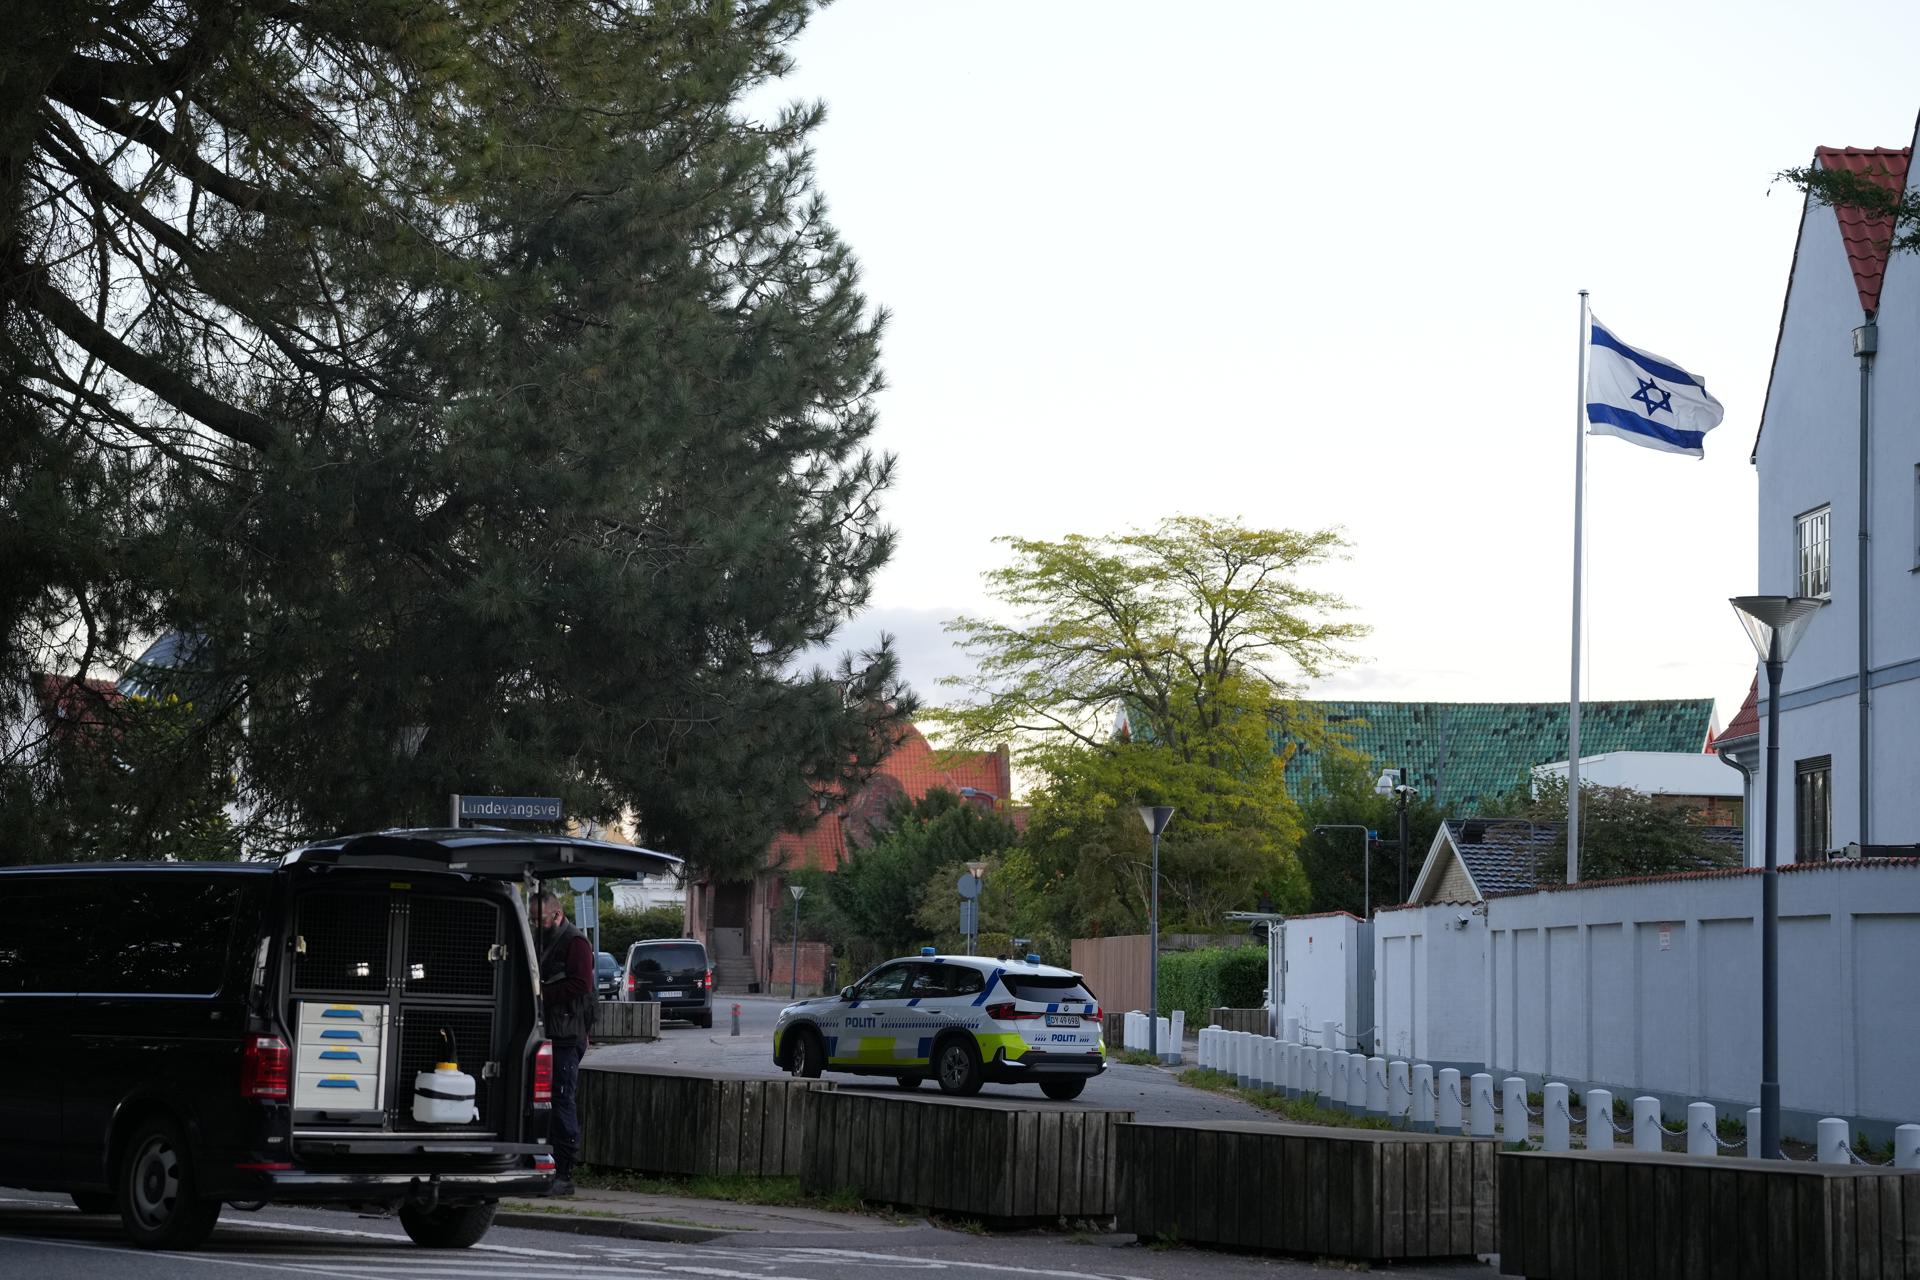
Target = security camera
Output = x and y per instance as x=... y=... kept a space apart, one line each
x=1462 y=920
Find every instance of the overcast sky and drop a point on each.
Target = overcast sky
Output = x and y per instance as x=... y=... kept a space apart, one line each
x=1313 y=265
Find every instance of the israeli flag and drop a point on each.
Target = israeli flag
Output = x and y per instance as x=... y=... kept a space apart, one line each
x=1645 y=398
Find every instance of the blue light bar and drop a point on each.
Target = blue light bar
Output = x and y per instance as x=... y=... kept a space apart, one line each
x=927 y=951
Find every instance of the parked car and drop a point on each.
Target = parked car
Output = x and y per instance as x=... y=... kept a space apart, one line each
x=675 y=972
x=175 y=1036
x=606 y=975
x=961 y=1020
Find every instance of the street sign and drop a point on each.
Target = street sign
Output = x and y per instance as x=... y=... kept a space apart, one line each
x=969 y=886
x=586 y=912
x=969 y=917
x=581 y=884
x=510 y=808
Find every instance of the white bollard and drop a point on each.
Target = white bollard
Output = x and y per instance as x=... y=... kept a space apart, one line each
x=1646 y=1124
x=1377 y=1086
x=1135 y=1035
x=1290 y=1069
x=1834 y=1141
x=1753 y=1133
x=1599 y=1120
x=1906 y=1147
x=1421 y=1109
x=1263 y=1062
x=1357 y=1083
x=1248 y=1044
x=1328 y=1065
x=1175 y=1044
x=1447 y=1100
x=1336 y=1096
x=1399 y=1091
x=1513 y=1111
x=1291 y=1030
x=1480 y=1105
x=1701 y=1119
x=1556 y=1128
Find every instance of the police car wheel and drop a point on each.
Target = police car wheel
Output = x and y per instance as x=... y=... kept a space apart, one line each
x=1063 y=1090
x=809 y=1055
x=958 y=1064
x=909 y=1082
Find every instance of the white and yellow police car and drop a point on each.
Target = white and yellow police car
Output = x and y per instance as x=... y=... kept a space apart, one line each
x=960 y=1020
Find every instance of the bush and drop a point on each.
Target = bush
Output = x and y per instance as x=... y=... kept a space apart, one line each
x=621 y=929
x=1201 y=981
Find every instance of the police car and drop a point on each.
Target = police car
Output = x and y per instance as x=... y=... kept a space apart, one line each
x=961 y=1020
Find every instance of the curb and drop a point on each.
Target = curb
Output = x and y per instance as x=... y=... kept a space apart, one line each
x=620 y=1228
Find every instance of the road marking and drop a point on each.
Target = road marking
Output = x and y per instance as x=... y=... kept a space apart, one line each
x=298 y=1269
x=394 y=1239
x=855 y=1255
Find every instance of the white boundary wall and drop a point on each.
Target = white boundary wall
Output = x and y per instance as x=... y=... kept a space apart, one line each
x=1321 y=978
x=1653 y=988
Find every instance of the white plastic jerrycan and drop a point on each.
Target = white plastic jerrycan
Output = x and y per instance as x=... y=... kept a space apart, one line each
x=444 y=1095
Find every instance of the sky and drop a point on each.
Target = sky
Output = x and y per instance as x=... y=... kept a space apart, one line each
x=1318 y=265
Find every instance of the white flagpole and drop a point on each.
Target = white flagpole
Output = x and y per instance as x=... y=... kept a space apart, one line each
x=1579 y=504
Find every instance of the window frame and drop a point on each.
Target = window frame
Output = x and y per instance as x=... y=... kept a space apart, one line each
x=1806 y=848
x=1824 y=513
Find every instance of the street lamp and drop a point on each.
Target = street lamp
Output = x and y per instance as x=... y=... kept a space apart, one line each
x=1775 y=625
x=1156 y=816
x=1385 y=785
x=798 y=891
x=978 y=870
x=993 y=801
x=1366 y=860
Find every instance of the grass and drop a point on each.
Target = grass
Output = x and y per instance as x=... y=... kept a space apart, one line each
x=1134 y=1058
x=1305 y=1110
x=734 y=1188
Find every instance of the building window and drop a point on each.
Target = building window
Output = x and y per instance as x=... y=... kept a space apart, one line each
x=1810 y=537
x=1812 y=808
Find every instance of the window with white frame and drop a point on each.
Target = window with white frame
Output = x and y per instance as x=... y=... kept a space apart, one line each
x=1810 y=538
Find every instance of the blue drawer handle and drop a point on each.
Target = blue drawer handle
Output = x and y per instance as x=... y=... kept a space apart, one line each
x=343 y=1013
x=349 y=1055
x=339 y=1082
x=332 y=1034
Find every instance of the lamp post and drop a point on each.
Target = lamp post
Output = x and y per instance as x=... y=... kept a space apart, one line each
x=978 y=870
x=1366 y=861
x=798 y=891
x=1775 y=625
x=1385 y=785
x=1156 y=816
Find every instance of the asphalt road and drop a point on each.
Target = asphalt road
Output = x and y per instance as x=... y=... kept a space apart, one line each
x=1150 y=1093
x=45 y=1238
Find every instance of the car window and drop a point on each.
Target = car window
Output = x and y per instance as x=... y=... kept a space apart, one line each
x=162 y=934
x=668 y=957
x=931 y=980
x=35 y=951
x=889 y=983
x=1048 y=990
x=605 y=963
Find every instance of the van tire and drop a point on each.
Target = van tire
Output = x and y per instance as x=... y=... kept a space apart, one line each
x=956 y=1065
x=808 y=1057
x=158 y=1195
x=1063 y=1090
x=448 y=1226
x=93 y=1201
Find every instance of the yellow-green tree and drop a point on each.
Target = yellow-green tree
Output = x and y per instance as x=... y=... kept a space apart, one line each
x=1148 y=668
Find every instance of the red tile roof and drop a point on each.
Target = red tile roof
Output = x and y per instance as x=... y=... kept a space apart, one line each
x=911 y=770
x=1867 y=238
x=1746 y=722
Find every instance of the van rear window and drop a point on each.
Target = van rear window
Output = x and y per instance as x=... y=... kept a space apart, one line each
x=669 y=958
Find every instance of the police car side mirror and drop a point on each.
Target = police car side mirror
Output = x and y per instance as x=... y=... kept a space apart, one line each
x=846 y=994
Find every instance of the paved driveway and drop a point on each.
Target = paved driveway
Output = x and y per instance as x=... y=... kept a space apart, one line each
x=1151 y=1093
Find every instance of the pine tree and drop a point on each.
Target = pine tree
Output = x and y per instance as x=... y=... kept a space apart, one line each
x=481 y=385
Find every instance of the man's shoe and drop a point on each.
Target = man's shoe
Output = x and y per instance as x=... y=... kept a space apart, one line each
x=561 y=1187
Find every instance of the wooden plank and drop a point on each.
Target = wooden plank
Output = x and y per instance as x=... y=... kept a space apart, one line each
x=1254 y=1169
x=1072 y=1153
x=1892 y=1248
x=1611 y=1226
x=1840 y=1232
x=1438 y=1214
x=1576 y=1217
x=1910 y=1225
x=1866 y=1225
x=1414 y=1200
x=1513 y=1237
x=1723 y=1221
x=1269 y=1219
x=1366 y=1198
x=1460 y=1197
x=1486 y=1217
x=1306 y=1212
x=1393 y=1203
x=1096 y=1180
x=1339 y=1158
x=1202 y=1199
x=753 y=1119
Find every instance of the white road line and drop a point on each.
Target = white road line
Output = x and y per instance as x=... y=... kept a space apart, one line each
x=391 y=1238
x=854 y=1255
x=305 y=1270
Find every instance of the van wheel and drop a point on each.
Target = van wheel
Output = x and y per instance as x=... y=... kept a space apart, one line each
x=704 y=1019
x=93 y=1201
x=160 y=1205
x=1062 y=1090
x=909 y=1082
x=808 y=1057
x=447 y=1227
x=957 y=1065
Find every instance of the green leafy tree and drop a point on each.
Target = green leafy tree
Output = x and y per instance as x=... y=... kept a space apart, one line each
x=485 y=386
x=1332 y=859
x=1195 y=631
x=1623 y=832
x=1877 y=192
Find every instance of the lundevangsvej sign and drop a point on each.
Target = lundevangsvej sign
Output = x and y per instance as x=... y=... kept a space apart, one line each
x=510 y=808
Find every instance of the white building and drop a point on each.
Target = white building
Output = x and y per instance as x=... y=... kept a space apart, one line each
x=1691 y=779
x=1842 y=522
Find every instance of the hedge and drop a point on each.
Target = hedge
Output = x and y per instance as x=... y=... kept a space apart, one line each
x=1201 y=981
x=621 y=929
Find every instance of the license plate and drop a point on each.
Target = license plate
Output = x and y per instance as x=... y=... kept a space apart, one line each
x=667 y=995
x=1062 y=1020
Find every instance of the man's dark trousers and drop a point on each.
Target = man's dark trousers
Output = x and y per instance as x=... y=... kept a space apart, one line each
x=566 y=1108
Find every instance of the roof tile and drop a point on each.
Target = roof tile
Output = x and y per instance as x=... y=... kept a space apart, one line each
x=1867 y=239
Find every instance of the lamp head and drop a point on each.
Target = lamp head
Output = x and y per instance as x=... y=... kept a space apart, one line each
x=1775 y=621
x=1156 y=817
x=798 y=891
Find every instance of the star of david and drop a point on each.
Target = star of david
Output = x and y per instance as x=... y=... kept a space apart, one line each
x=1648 y=390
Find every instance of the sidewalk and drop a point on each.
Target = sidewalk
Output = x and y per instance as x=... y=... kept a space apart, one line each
x=684 y=1219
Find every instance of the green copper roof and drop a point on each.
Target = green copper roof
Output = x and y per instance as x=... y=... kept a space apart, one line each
x=1459 y=753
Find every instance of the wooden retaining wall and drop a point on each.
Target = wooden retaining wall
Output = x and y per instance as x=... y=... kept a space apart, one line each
x=1308 y=1189
x=1256 y=1021
x=626 y=1022
x=660 y=1122
x=1041 y=1161
x=1675 y=1217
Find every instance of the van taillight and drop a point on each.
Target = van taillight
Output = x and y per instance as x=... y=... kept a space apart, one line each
x=1008 y=1012
x=265 y=1068
x=629 y=984
x=707 y=981
x=543 y=1074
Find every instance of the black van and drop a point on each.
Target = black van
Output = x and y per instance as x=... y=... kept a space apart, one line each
x=675 y=972
x=178 y=1036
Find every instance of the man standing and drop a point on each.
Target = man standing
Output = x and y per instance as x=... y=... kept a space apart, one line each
x=566 y=989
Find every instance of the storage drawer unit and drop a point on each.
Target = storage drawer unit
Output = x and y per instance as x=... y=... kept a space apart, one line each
x=339 y=1056
x=333 y=1091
